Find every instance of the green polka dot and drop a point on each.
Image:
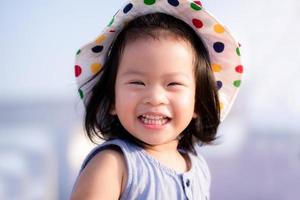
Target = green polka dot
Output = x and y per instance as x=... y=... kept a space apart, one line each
x=238 y=51
x=80 y=93
x=149 y=2
x=111 y=21
x=78 y=52
x=195 y=6
x=237 y=83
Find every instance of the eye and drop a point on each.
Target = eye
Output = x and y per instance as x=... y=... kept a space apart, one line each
x=136 y=83
x=174 y=84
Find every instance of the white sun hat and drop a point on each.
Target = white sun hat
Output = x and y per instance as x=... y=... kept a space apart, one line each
x=224 y=50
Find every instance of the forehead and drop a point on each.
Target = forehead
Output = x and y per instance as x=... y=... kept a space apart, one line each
x=165 y=55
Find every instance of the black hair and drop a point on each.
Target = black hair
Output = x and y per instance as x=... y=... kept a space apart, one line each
x=100 y=123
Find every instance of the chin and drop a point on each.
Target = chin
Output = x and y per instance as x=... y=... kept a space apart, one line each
x=159 y=141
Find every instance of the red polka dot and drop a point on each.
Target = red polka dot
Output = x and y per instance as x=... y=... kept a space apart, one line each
x=239 y=69
x=198 y=2
x=77 y=70
x=197 y=23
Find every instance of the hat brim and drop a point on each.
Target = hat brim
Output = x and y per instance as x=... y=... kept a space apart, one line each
x=224 y=50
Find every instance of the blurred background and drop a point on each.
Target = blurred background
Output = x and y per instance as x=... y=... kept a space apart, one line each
x=42 y=142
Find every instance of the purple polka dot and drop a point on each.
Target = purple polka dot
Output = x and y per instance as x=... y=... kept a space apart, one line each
x=219 y=84
x=174 y=3
x=97 y=49
x=127 y=8
x=219 y=47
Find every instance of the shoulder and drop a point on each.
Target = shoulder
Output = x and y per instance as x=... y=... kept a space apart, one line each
x=202 y=167
x=201 y=176
x=106 y=169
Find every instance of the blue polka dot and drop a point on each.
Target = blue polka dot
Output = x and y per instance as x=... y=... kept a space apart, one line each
x=97 y=49
x=173 y=2
x=219 y=84
x=219 y=47
x=127 y=8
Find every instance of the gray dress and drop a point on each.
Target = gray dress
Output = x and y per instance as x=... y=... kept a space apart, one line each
x=149 y=179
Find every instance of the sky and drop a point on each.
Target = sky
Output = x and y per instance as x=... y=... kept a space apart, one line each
x=39 y=39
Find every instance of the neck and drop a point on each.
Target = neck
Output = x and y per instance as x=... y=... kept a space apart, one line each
x=168 y=155
x=167 y=148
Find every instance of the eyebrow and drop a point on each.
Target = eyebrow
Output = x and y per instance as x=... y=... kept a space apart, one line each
x=139 y=73
x=133 y=72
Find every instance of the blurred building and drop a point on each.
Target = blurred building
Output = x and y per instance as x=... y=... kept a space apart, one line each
x=42 y=143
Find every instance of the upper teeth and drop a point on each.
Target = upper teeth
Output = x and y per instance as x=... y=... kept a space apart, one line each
x=155 y=117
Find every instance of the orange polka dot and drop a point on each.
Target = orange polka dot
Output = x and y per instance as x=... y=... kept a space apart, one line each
x=95 y=67
x=216 y=67
x=100 y=39
x=219 y=28
x=222 y=106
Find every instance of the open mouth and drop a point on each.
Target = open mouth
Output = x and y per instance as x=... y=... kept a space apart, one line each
x=154 y=119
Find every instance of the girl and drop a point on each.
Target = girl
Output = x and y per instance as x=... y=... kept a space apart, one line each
x=155 y=83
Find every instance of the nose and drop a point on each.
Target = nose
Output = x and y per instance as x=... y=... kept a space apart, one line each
x=155 y=95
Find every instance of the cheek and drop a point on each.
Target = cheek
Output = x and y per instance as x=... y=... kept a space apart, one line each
x=186 y=99
x=125 y=99
x=124 y=94
x=185 y=105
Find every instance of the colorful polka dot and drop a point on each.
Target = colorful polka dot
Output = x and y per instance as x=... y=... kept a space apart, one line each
x=80 y=93
x=216 y=68
x=237 y=83
x=100 y=39
x=174 y=3
x=219 y=47
x=78 y=70
x=195 y=6
x=97 y=49
x=111 y=21
x=221 y=106
x=224 y=50
x=95 y=68
x=239 y=69
x=238 y=51
x=198 y=3
x=218 y=28
x=219 y=84
x=127 y=8
x=149 y=2
x=197 y=23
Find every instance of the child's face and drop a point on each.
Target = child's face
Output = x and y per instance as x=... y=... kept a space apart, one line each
x=155 y=89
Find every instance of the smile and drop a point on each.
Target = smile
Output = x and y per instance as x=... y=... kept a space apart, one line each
x=159 y=120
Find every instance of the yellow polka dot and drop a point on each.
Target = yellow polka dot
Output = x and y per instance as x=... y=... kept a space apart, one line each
x=100 y=39
x=221 y=106
x=219 y=28
x=95 y=67
x=216 y=68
